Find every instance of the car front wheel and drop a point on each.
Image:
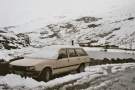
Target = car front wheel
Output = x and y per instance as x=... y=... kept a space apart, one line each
x=46 y=75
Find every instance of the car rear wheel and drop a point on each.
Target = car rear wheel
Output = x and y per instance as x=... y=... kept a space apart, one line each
x=46 y=75
x=81 y=68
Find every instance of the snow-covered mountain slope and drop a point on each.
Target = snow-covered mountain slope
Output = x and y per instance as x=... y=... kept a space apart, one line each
x=10 y=40
x=92 y=30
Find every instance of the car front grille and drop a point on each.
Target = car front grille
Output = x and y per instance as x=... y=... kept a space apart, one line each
x=20 y=68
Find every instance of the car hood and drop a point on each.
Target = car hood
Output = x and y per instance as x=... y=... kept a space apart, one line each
x=27 y=62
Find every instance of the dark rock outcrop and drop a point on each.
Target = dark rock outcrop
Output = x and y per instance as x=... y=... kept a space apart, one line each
x=9 y=40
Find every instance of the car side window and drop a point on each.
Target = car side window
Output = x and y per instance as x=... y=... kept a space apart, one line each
x=63 y=54
x=81 y=52
x=72 y=53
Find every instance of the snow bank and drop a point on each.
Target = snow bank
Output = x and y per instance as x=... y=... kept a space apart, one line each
x=13 y=81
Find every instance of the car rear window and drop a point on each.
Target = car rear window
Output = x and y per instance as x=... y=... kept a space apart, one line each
x=81 y=52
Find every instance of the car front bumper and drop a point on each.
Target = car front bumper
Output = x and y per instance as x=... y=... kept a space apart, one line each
x=33 y=74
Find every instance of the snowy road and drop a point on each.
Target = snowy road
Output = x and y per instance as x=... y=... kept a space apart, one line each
x=99 y=53
x=100 y=77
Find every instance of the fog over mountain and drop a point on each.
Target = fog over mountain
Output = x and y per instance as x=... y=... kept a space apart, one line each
x=16 y=12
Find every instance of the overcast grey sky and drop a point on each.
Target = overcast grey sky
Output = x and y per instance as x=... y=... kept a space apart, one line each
x=13 y=12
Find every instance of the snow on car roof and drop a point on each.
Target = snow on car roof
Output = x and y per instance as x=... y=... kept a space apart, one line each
x=49 y=52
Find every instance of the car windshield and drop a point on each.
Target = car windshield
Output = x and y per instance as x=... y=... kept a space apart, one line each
x=45 y=53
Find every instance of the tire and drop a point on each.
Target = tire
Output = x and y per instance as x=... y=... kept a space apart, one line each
x=81 y=68
x=46 y=75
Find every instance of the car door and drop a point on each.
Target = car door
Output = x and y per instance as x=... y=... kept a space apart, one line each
x=73 y=59
x=62 y=62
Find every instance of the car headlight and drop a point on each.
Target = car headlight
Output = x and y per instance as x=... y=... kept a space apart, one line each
x=31 y=68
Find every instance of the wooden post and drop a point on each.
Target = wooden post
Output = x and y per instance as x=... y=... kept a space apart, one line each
x=72 y=42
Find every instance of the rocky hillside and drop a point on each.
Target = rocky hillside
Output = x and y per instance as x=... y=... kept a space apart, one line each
x=10 y=40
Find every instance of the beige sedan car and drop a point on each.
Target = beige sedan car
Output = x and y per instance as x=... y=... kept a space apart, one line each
x=50 y=61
